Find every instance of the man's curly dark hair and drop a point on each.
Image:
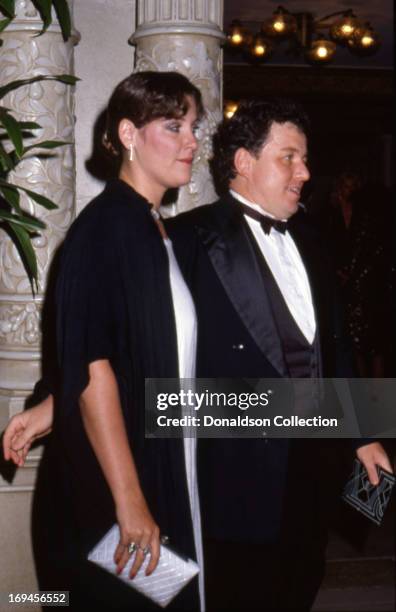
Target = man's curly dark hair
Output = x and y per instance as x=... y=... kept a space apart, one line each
x=249 y=128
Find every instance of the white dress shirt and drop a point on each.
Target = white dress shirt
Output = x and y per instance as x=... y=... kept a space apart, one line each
x=284 y=260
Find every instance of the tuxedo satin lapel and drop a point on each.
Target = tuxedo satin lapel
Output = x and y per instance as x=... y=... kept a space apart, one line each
x=230 y=251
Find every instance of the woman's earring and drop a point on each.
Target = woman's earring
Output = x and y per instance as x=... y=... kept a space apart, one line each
x=131 y=152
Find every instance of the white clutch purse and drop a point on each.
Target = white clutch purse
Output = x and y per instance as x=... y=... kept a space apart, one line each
x=172 y=573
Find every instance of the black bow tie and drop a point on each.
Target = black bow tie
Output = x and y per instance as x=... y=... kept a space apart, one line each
x=267 y=223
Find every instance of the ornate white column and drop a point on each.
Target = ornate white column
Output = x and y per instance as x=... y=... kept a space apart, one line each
x=50 y=104
x=185 y=35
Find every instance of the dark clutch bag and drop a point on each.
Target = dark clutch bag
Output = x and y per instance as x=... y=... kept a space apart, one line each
x=368 y=499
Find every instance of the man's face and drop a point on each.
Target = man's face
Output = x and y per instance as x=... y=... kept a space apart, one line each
x=276 y=177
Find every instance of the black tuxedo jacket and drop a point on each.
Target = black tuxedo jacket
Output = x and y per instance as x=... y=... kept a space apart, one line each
x=244 y=482
x=215 y=249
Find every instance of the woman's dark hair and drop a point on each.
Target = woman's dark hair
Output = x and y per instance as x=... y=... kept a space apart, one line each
x=249 y=128
x=145 y=96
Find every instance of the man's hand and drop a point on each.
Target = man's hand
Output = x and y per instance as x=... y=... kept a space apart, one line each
x=26 y=427
x=373 y=455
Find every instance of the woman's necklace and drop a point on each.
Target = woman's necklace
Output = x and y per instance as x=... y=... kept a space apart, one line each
x=157 y=218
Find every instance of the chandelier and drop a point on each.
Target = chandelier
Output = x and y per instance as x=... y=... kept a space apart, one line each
x=305 y=36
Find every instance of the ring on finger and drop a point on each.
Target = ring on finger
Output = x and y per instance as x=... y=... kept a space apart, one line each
x=145 y=550
x=132 y=547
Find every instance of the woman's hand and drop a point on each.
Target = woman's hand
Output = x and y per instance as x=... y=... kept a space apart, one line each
x=26 y=427
x=373 y=455
x=104 y=423
x=138 y=527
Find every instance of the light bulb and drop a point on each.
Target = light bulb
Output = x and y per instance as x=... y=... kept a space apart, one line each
x=259 y=50
x=322 y=52
x=230 y=109
x=236 y=38
x=367 y=41
x=279 y=26
x=347 y=29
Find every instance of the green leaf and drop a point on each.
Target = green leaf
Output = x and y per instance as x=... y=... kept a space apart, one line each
x=44 y=8
x=14 y=159
x=40 y=199
x=11 y=194
x=29 y=223
x=63 y=78
x=69 y=79
x=63 y=14
x=46 y=144
x=7 y=7
x=26 y=252
x=5 y=159
x=13 y=130
x=29 y=125
x=4 y=23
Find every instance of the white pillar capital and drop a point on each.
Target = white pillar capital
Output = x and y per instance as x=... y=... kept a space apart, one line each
x=201 y=17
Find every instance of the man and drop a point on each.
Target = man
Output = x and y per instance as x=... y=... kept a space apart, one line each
x=265 y=307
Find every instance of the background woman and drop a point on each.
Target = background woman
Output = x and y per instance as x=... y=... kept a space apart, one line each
x=361 y=249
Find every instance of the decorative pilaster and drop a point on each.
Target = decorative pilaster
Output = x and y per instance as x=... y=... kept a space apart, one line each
x=185 y=35
x=23 y=55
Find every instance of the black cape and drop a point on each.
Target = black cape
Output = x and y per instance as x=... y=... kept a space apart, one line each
x=113 y=301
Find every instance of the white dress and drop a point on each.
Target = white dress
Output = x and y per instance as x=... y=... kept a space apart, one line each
x=186 y=329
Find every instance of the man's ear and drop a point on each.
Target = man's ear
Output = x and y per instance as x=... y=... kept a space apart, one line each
x=243 y=162
x=127 y=132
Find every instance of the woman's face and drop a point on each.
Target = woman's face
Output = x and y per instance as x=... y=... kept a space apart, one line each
x=347 y=186
x=164 y=149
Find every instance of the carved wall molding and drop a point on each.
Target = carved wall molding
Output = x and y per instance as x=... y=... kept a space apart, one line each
x=20 y=324
x=50 y=173
x=51 y=105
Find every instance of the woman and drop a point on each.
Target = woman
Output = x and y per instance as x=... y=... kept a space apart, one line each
x=362 y=260
x=124 y=314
